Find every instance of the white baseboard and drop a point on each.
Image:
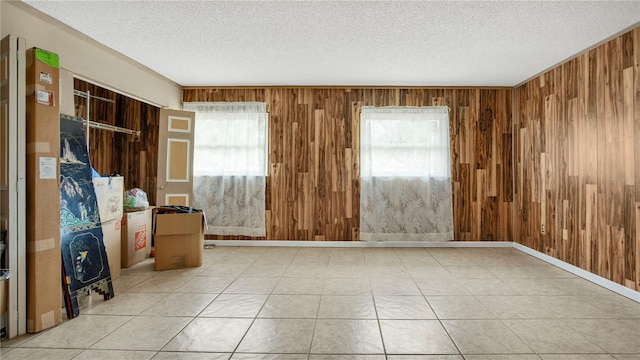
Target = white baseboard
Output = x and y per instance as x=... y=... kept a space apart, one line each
x=596 y=279
x=359 y=244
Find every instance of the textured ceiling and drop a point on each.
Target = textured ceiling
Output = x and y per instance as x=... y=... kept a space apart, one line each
x=417 y=43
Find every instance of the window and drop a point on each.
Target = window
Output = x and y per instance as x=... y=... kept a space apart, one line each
x=230 y=165
x=230 y=143
x=405 y=144
x=405 y=174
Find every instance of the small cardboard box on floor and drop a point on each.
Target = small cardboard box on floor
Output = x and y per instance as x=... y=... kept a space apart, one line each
x=178 y=240
x=44 y=259
x=136 y=237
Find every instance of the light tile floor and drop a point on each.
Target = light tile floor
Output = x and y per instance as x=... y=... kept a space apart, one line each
x=296 y=303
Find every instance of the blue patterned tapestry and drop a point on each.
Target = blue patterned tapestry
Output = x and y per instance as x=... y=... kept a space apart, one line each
x=84 y=257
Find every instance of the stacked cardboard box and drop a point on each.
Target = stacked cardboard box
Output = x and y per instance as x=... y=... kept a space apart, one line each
x=44 y=284
x=136 y=237
x=109 y=193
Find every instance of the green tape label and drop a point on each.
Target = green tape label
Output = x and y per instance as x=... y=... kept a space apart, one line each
x=48 y=58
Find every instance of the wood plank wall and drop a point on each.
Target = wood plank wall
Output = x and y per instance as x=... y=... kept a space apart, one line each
x=131 y=156
x=313 y=184
x=578 y=161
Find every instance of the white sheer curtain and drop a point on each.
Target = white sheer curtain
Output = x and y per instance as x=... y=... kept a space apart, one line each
x=405 y=173
x=230 y=165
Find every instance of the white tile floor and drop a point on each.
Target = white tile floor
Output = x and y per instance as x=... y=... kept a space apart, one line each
x=347 y=303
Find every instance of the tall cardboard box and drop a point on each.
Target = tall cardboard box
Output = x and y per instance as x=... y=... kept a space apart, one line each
x=112 y=239
x=109 y=193
x=136 y=237
x=44 y=264
x=178 y=240
x=4 y=290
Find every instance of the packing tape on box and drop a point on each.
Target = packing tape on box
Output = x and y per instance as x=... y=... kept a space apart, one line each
x=48 y=320
x=42 y=245
x=38 y=147
x=32 y=89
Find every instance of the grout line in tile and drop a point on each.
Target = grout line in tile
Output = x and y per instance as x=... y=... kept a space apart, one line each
x=261 y=307
x=375 y=308
x=484 y=266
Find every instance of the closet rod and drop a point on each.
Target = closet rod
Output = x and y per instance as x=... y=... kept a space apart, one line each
x=87 y=95
x=113 y=128
x=98 y=125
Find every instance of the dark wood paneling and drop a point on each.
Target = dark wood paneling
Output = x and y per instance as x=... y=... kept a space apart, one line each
x=578 y=159
x=131 y=156
x=313 y=184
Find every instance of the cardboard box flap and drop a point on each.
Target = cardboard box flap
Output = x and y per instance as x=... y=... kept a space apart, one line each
x=175 y=224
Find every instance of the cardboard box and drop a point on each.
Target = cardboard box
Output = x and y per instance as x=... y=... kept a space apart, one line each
x=178 y=240
x=109 y=194
x=44 y=260
x=112 y=238
x=4 y=290
x=136 y=237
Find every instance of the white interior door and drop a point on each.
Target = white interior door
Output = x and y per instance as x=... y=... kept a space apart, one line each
x=12 y=178
x=175 y=157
